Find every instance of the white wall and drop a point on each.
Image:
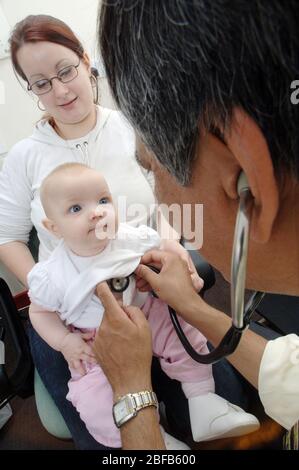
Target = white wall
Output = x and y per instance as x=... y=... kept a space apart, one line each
x=18 y=110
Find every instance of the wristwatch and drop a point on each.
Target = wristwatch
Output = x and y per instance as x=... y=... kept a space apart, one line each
x=128 y=405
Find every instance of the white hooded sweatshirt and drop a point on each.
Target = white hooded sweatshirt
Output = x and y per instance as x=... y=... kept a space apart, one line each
x=109 y=148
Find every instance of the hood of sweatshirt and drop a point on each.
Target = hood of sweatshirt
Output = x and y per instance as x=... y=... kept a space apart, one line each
x=44 y=133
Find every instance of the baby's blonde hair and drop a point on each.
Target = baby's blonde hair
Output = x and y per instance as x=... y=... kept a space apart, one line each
x=47 y=188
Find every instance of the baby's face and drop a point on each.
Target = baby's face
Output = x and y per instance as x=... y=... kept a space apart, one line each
x=83 y=211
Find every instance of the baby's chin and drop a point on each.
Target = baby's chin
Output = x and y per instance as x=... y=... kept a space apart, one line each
x=90 y=249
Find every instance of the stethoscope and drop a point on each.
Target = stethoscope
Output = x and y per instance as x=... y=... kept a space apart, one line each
x=240 y=316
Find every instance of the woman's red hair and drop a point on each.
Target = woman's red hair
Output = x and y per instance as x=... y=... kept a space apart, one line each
x=36 y=28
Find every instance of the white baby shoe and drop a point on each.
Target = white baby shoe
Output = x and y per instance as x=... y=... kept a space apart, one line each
x=171 y=443
x=213 y=417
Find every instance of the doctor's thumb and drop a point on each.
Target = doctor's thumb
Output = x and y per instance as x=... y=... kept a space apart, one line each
x=106 y=297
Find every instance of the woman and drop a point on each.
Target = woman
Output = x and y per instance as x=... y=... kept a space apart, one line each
x=47 y=55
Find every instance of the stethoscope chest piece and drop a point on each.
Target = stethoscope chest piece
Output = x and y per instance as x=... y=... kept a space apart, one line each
x=119 y=284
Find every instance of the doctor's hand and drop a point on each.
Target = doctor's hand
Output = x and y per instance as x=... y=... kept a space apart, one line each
x=174 y=246
x=174 y=282
x=123 y=345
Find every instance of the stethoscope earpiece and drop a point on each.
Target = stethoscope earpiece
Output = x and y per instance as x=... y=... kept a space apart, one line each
x=242 y=183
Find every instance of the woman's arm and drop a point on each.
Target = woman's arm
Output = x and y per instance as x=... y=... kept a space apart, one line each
x=174 y=286
x=17 y=258
x=15 y=214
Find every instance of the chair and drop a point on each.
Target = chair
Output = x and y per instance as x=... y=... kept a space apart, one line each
x=19 y=381
x=281 y=313
x=24 y=380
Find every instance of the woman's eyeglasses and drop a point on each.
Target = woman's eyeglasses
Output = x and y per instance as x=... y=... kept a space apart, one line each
x=65 y=75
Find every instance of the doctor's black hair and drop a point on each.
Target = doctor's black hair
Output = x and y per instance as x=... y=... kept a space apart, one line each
x=175 y=64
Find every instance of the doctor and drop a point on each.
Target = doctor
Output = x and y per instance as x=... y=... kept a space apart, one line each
x=209 y=98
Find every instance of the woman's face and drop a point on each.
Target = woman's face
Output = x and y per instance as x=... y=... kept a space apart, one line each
x=67 y=103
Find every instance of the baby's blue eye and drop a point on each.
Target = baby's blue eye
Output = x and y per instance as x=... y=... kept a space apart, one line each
x=104 y=200
x=75 y=208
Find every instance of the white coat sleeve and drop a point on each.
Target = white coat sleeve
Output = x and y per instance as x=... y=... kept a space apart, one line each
x=279 y=380
x=15 y=199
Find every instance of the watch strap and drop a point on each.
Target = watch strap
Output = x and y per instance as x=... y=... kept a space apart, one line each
x=144 y=399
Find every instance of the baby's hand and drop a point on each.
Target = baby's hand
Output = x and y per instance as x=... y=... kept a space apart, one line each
x=75 y=350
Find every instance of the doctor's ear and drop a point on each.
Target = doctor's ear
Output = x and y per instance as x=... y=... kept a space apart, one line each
x=249 y=149
x=51 y=227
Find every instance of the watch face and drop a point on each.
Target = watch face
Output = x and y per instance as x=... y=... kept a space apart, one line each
x=123 y=410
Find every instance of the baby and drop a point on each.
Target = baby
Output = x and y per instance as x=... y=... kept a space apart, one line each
x=94 y=247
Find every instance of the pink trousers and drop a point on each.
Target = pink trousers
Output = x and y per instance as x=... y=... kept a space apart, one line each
x=92 y=395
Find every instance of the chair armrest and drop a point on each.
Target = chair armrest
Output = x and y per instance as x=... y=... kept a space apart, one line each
x=281 y=312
